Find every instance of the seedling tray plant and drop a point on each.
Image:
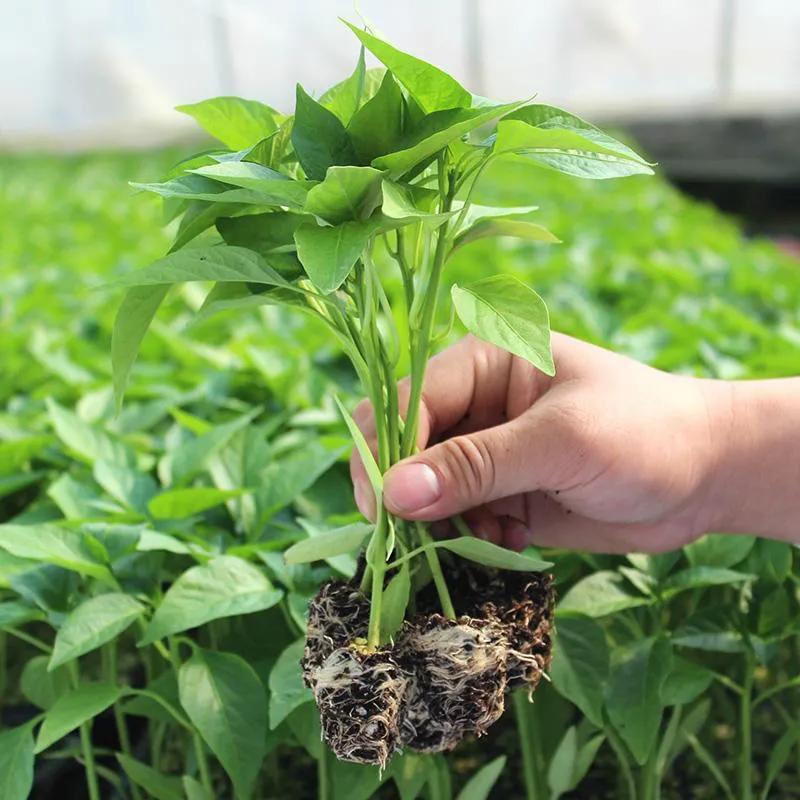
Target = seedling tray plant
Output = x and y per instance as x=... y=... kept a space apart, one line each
x=313 y=210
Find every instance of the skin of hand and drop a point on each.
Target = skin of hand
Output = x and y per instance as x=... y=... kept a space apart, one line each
x=610 y=455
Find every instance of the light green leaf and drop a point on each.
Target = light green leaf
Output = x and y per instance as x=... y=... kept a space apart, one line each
x=491 y=555
x=71 y=710
x=236 y=122
x=504 y=312
x=216 y=263
x=52 y=545
x=274 y=188
x=132 y=487
x=518 y=228
x=377 y=127
x=155 y=783
x=370 y=465
x=694 y=577
x=16 y=612
x=633 y=699
x=197 y=187
x=92 y=624
x=180 y=503
x=571 y=761
x=432 y=88
x=227 y=704
x=88 y=442
x=286 y=688
x=565 y=150
x=328 y=253
x=224 y=587
x=156 y=541
x=395 y=602
x=347 y=193
x=200 y=216
x=409 y=203
x=328 y=544
x=476 y=212
x=581 y=664
x=719 y=550
x=344 y=563
x=344 y=98
x=16 y=762
x=42 y=687
x=133 y=318
x=319 y=137
x=435 y=132
x=16 y=453
x=599 y=594
x=481 y=783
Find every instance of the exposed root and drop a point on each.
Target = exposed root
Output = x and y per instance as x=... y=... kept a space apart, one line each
x=359 y=696
x=457 y=680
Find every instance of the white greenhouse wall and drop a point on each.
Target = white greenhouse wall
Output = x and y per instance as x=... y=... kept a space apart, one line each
x=77 y=73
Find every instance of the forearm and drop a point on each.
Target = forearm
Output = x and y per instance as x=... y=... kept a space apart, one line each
x=756 y=483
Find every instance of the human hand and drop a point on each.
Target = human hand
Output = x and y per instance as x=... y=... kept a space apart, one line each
x=609 y=456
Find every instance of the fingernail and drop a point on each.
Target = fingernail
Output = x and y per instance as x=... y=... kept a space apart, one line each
x=517 y=536
x=411 y=487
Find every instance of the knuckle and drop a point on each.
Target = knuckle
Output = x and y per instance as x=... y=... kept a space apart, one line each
x=470 y=466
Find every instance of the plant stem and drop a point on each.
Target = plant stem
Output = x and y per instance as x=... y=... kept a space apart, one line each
x=436 y=572
x=323 y=789
x=378 y=563
x=522 y=713
x=745 y=730
x=624 y=762
x=88 y=760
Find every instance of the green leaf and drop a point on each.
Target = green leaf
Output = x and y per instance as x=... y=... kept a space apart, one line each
x=347 y=193
x=477 y=213
x=491 y=555
x=370 y=465
x=602 y=593
x=52 y=545
x=344 y=563
x=15 y=454
x=194 y=789
x=696 y=577
x=199 y=217
x=15 y=612
x=328 y=253
x=711 y=628
x=286 y=688
x=719 y=550
x=319 y=138
x=770 y=560
x=226 y=702
x=395 y=602
x=180 y=503
x=155 y=783
x=224 y=587
x=344 y=98
x=779 y=756
x=377 y=127
x=86 y=441
x=16 y=762
x=155 y=541
x=328 y=544
x=685 y=682
x=131 y=487
x=216 y=263
x=580 y=665
x=481 y=783
x=197 y=187
x=133 y=318
x=42 y=687
x=504 y=312
x=633 y=698
x=407 y=203
x=71 y=710
x=237 y=123
x=432 y=88
x=571 y=761
x=565 y=150
x=261 y=232
x=435 y=132
x=274 y=188
x=520 y=229
x=93 y=623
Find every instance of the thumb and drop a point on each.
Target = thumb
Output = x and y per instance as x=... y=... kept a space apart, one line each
x=467 y=471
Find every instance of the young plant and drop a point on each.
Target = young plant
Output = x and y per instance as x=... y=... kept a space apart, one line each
x=373 y=182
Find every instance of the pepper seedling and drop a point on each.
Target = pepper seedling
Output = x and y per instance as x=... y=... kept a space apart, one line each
x=318 y=211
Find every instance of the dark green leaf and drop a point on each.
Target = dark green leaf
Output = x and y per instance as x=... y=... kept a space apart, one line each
x=779 y=756
x=16 y=762
x=42 y=687
x=15 y=612
x=344 y=98
x=237 y=123
x=694 y=577
x=319 y=138
x=432 y=88
x=92 y=624
x=347 y=193
x=155 y=783
x=377 y=127
x=506 y=313
x=71 y=710
x=286 y=688
x=227 y=704
x=481 y=783
x=261 y=232
x=685 y=682
x=224 y=587
x=600 y=594
x=395 y=602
